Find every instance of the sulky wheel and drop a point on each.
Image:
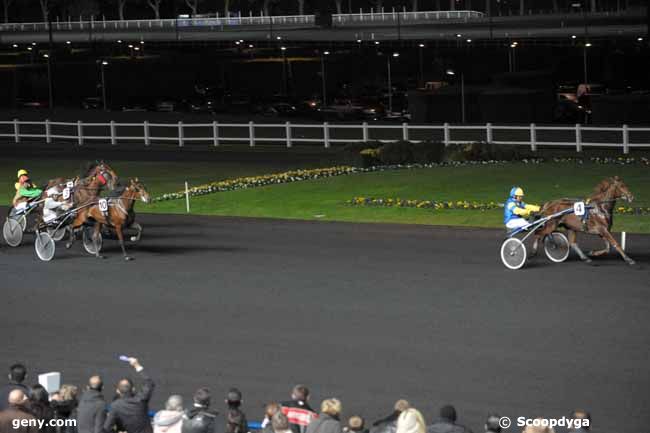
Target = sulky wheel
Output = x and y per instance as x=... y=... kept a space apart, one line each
x=44 y=246
x=513 y=253
x=12 y=232
x=556 y=247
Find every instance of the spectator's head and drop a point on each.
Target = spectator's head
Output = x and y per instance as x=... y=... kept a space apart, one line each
x=583 y=416
x=411 y=421
x=174 y=403
x=68 y=392
x=39 y=394
x=492 y=423
x=271 y=409
x=356 y=423
x=448 y=413
x=331 y=407
x=538 y=428
x=279 y=422
x=95 y=383
x=125 y=387
x=17 y=397
x=300 y=393
x=401 y=405
x=233 y=398
x=17 y=373
x=202 y=397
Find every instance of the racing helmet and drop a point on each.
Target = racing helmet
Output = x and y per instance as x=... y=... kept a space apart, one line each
x=516 y=191
x=21 y=172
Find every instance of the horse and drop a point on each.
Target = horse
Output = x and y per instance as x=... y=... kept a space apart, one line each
x=597 y=220
x=120 y=213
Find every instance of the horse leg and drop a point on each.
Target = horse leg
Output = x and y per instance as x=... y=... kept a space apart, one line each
x=605 y=250
x=576 y=248
x=138 y=227
x=120 y=236
x=97 y=233
x=607 y=237
x=71 y=239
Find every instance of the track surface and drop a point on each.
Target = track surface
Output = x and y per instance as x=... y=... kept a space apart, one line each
x=368 y=313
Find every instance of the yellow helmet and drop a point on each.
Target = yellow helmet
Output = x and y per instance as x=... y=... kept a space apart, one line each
x=516 y=192
x=22 y=172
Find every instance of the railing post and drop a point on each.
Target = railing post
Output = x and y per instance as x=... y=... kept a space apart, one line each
x=251 y=133
x=180 y=133
x=113 y=135
x=446 y=134
x=626 y=140
x=326 y=134
x=533 y=138
x=80 y=132
x=365 y=132
x=578 y=138
x=215 y=133
x=488 y=132
x=405 y=131
x=16 y=131
x=146 y=133
x=287 y=127
x=48 y=135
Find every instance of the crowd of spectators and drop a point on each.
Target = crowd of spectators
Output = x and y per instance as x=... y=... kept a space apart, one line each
x=128 y=412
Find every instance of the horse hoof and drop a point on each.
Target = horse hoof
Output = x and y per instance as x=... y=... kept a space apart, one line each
x=127 y=258
x=68 y=245
x=101 y=257
x=631 y=262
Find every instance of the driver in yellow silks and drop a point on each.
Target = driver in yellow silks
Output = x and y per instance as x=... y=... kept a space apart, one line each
x=516 y=211
x=24 y=187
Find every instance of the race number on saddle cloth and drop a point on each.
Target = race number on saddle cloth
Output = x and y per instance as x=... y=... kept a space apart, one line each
x=516 y=211
x=24 y=187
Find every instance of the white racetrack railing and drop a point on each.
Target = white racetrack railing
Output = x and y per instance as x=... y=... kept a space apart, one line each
x=239 y=20
x=326 y=134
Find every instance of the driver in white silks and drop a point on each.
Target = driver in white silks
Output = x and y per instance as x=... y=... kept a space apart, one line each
x=56 y=203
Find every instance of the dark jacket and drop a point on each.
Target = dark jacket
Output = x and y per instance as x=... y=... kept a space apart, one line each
x=202 y=420
x=324 y=424
x=65 y=409
x=444 y=425
x=44 y=412
x=91 y=412
x=236 y=421
x=6 y=389
x=299 y=413
x=131 y=414
x=16 y=413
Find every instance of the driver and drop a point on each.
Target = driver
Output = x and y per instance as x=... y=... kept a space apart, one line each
x=516 y=211
x=24 y=187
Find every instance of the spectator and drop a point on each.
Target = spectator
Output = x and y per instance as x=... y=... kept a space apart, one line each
x=39 y=406
x=235 y=418
x=411 y=421
x=91 y=412
x=356 y=424
x=280 y=423
x=269 y=410
x=298 y=411
x=389 y=423
x=585 y=421
x=200 y=419
x=64 y=403
x=492 y=424
x=328 y=420
x=538 y=429
x=17 y=375
x=130 y=411
x=447 y=422
x=169 y=420
x=17 y=411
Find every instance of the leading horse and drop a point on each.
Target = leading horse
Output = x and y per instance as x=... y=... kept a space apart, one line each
x=598 y=219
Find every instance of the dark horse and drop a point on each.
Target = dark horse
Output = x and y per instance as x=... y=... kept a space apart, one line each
x=598 y=219
x=120 y=213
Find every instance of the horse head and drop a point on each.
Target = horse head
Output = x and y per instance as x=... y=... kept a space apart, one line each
x=104 y=173
x=139 y=190
x=621 y=190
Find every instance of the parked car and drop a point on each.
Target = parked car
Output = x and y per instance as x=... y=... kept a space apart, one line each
x=92 y=103
x=279 y=109
x=31 y=103
x=166 y=105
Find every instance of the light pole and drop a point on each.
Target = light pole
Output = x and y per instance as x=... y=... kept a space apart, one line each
x=452 y=73
x=284 y=70
x=584 y=60
x=390 y=84
x=421 y=80
x=512 y=59
x=323 y=79
x=102 y=64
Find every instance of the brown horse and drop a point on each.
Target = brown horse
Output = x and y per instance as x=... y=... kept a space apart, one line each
x=598 y=219
x=120 y=213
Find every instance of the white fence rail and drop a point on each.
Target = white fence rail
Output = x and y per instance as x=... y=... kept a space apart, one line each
x=239 y=20
x=327 y=134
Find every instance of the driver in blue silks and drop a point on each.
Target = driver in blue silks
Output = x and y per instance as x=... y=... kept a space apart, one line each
x=516 y=211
